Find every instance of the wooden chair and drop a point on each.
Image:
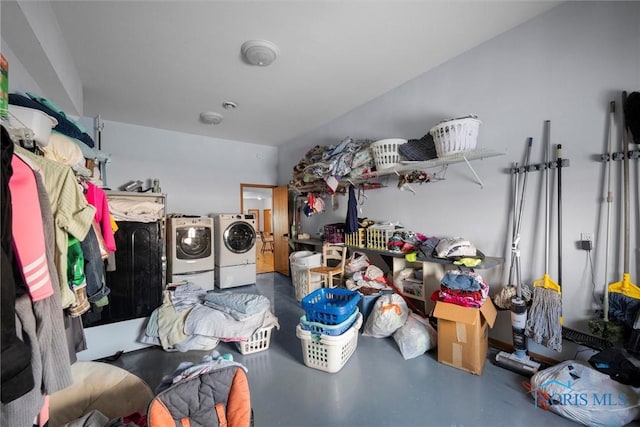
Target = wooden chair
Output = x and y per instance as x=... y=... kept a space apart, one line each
x=332 y=269
x=267 y=242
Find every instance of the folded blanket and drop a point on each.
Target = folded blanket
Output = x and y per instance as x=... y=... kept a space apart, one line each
x=239 y=306
x=203 y=320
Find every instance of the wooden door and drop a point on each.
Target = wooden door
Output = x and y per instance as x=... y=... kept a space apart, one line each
x=267 y=221
x=281 y=229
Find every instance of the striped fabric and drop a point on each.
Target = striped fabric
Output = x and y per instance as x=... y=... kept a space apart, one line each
x=28 y=235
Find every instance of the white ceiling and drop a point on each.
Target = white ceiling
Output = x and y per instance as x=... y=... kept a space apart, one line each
x=161 y=63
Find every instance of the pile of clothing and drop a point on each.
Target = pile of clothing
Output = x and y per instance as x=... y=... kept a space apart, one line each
x=368 y=281
x=406 y=241
x=350 y=158
x=191 y=318
x=465 y=288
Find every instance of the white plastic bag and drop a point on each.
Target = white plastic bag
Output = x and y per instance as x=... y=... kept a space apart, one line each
x=357 y=262
x=585 y=395
x=415 y=337
x=388 y=314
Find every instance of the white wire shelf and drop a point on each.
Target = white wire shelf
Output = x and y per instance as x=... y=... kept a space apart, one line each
x=403 y=167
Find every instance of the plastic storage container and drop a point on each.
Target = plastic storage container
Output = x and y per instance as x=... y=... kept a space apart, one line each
x=330 y=306
x=385 y=152
x=379 y=235
x=39 y=122
x=328 y=353
x=299 y=280
x=306 y=258
x=455 y=136
x=259 y=341
x=357 y=238
x=333 y=330
x=334 y=233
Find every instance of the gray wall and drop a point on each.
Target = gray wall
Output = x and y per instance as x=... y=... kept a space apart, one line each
x=200 y=175
x=564 y=66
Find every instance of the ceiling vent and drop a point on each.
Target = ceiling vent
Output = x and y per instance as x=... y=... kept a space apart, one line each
x=259 y=52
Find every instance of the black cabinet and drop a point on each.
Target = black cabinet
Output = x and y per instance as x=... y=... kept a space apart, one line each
x=136 y=284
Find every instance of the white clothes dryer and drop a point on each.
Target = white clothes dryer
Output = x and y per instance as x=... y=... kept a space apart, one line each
x=191 y=254
x=235 y=250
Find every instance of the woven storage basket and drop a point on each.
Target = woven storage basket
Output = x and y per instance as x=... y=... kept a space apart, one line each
x=455 y=136
x=385 y=152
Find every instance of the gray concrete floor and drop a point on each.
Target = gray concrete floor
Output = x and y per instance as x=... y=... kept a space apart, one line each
x=376 y=387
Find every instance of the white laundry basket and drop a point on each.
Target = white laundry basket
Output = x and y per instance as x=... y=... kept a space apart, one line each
x=455 y=136
x=299 y=278
x=328 y=353
x=385 y=152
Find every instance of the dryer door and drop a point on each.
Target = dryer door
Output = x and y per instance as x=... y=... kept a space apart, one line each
x=193 y=242
x=239 y=237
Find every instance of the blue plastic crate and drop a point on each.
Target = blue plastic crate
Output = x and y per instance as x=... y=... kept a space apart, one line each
x=333 y=330
x=330 y=306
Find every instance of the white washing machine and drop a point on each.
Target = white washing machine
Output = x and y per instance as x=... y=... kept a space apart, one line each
x=190 y=246
x=235 y=250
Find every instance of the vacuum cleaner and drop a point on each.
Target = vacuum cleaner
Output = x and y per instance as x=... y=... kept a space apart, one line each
x=518 y=361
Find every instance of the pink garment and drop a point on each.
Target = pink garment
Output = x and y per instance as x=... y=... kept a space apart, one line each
x=43 y=415
x=28 y=232
x=98 y=198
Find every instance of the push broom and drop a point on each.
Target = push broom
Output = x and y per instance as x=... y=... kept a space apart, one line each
x=544 y=322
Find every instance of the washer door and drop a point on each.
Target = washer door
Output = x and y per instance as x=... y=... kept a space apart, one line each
x=193 y=242
x=239 y=237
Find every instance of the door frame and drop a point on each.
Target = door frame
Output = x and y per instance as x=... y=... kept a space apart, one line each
x=280 y=224
x=256 y=214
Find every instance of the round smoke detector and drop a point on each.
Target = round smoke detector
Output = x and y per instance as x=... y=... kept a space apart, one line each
x=259 y=52
x=211 y=118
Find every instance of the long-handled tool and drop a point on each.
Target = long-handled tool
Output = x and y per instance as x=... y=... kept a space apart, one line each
x=624 y=296
x=603 y=327
x=543 y=324
x=559 y=209
x=605 y=302
x=504 y=297
x=518 y=361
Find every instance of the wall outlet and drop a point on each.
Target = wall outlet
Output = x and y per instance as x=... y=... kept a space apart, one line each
x=586 y=241
x=587 y=236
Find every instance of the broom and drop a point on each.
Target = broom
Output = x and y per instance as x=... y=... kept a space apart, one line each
x=544 y=323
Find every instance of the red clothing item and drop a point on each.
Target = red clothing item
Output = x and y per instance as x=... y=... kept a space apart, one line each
x=28 y=232
x=98 y=198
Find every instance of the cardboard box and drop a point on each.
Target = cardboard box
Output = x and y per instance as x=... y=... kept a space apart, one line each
x=463 y=334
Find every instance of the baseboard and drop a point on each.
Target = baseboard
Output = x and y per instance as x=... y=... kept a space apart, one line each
x=503 y=346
